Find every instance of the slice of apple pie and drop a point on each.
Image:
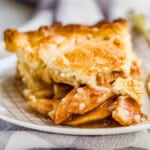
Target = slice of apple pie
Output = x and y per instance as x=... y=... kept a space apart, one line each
x=77 y=74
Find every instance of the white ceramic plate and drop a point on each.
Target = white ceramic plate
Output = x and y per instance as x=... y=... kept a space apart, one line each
x=14 y=109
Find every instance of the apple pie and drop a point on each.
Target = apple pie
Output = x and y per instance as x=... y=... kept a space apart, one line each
x=76 y=74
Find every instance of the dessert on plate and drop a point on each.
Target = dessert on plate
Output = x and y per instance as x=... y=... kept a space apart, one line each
x=77 y=74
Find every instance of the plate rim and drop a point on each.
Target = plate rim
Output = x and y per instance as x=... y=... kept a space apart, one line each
x=78 y=131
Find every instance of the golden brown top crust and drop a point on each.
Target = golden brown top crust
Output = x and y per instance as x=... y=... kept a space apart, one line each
x=75 y=54
x=57 y=33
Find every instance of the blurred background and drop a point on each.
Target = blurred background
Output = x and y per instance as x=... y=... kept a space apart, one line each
x=30 y=14
x=13 y=14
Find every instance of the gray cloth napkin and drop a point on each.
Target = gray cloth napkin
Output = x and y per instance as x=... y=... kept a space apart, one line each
x=13 y=137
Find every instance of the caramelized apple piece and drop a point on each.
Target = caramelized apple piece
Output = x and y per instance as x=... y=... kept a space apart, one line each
x=81 y=101
x=127 y=111
x=100 y=113
x=44 y=106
